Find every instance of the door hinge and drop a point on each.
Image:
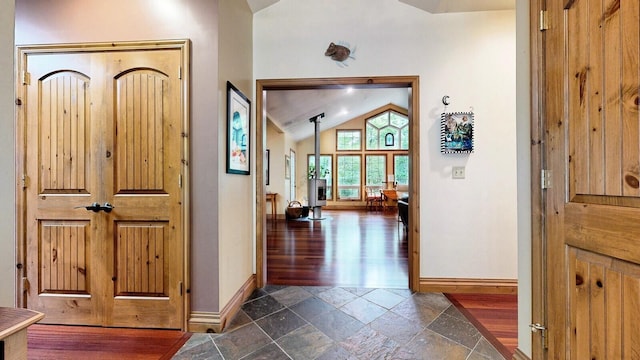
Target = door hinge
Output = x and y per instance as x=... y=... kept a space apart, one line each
x=180 y=181
x=180 y=73
x=544 y=20
x=545 y=179
x=26 y=78
x=25 y=284
x=542 y=330
x=180 y=288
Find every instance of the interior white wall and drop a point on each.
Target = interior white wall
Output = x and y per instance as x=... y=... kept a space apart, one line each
x=7 y=159
x=468 y=227
x=236 y=200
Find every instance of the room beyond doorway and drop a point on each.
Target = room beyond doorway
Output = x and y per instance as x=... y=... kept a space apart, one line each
x=349 y=248
x=411 y=83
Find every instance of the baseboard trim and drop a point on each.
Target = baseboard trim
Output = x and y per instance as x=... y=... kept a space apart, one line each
x=519 y=355
x=208 y=322
x=472 y=286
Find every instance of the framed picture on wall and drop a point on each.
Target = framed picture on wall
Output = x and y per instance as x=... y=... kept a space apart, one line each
x=238 y=131
x=456 y=132
x=267 y=155
x=287 y=167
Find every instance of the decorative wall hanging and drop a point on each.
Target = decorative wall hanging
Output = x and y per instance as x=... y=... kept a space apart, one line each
x=238 y=127
x=267 y=160
x=340 y=53
x=456 y=132
x=287 y=167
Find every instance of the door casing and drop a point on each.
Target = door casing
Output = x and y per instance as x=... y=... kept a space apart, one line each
x=412 y=84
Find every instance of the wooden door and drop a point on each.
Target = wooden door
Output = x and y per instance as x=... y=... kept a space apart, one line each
x=104 y=128
x=591 y=82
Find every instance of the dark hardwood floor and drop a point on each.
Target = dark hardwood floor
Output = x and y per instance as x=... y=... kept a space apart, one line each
x=84 y=342
x=495 y=315
x=347 y=248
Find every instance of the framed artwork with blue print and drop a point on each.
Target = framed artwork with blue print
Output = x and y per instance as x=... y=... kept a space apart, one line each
x=238 y=127
x=456 y=133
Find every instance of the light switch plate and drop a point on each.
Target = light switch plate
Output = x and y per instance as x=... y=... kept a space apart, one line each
x=457 y=172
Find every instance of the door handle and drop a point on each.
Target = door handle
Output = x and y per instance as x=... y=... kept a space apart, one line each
x=107 y=207
x=96 y=207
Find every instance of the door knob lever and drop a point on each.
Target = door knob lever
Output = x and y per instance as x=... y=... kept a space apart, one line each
x=96 y=207
x=107 y=207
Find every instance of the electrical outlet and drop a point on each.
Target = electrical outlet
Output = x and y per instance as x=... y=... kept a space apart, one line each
x=457 y=172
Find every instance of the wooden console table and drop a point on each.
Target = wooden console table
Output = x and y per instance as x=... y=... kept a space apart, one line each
x=271 y=197
x=13 y=331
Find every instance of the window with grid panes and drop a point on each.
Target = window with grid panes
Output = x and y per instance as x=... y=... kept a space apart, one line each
x=401 y=169
x=348 y=140
x=388 y=130
x=375 y=170
x=349 y=169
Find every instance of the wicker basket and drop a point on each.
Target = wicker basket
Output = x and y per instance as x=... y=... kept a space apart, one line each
x=295 y=210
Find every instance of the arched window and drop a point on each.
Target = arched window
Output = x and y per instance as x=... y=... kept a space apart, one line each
x=388 y=130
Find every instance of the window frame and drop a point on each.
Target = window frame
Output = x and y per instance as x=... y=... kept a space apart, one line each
x=358 y=187
x=339 y=131
x=380 y=134
x=395 y=177
x=385 y=158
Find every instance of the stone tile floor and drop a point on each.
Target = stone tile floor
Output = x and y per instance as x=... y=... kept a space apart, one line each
x=310 y=322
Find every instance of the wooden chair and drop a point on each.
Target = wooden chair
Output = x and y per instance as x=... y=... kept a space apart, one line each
x=389 y=198
x=372 y=197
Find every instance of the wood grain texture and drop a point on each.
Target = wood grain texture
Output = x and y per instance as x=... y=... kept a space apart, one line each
x=81 y=342
x=64 y=127
x=63 y=257
x=469 y=286
x=604 y=307
x=602 y=73
x=140 y=103
x=590 y=115
x=105 y=126
x=495 y=315
x=16 y=319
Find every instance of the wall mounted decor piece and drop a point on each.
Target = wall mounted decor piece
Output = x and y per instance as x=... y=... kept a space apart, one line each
x=340 y=53
x=287 y=167
x=456 y=132
x=238 y=127
x=267 y=160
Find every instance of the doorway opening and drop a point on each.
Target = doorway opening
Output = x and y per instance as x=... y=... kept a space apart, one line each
x=411 y=83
